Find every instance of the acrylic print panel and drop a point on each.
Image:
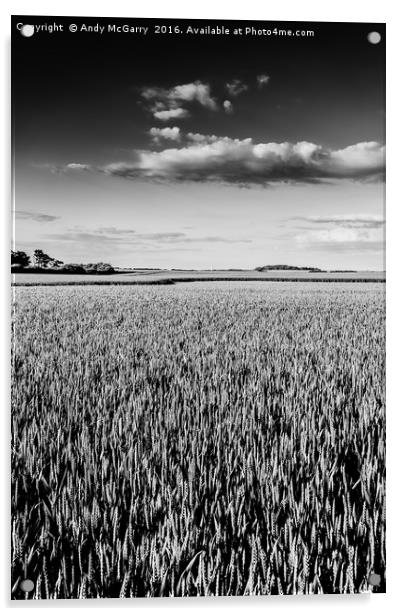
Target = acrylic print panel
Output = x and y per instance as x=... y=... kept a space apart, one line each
x=198 y=308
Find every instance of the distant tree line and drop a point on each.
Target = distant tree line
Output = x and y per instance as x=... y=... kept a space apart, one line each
x=21 y=262
x=265 y=268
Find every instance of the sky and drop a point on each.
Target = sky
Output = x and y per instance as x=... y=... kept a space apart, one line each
x=200 y=150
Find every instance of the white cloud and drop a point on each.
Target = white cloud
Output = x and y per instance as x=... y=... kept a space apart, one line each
x=228 y=107
x=169 y=132
x=342 y=238
x=200 y=138
x=212 y=158
x=244 y=162
x=345 y=220
x=340 y=234
x=343 y=232
x=262 y=80
x=236 y=87
x=169 y=114
x=74 y=167
x=167 y=103
x=197 y=91
x=78 y=167
x=357 y=156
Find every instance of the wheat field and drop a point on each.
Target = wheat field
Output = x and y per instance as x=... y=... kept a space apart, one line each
x=198 y=439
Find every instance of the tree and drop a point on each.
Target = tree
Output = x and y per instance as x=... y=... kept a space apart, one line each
x=20 y=258
x=104 y=268
x=55 y=263
x=98 y=268
x=41 y=259
x=73 y=268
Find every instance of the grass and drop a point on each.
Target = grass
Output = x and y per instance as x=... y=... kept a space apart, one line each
x=209 y=440
x=171 y=281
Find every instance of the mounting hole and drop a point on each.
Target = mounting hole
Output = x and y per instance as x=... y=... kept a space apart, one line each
x=27 y=30
x=374 y=38
x=27 y=585
x=374 y=579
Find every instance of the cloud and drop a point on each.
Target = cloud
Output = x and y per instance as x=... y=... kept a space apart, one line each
x=228 y=107
x=74 y=167
x=36 y=216
x=168 y=103
x=78 y=167
x=235 y=87
x=359 y=221
x=171 y=114
x=262 y=80
x=241 y=161
x=345 y=232
x=342 y=239
x=151 y=93
x=172 y=133
x=200 y=138
x=114 y=231
x=106 y=236
x=197 y=91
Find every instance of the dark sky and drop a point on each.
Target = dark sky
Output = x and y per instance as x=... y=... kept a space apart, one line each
x=78 y=98
x=81 y=89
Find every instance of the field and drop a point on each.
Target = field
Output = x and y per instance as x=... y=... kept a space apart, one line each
x=154 y=276
x=198 y=439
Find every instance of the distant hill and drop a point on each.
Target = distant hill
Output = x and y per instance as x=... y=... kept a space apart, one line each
x=266 y=268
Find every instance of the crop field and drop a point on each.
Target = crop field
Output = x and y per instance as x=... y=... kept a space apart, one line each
x=198 y=439
x=155 y=276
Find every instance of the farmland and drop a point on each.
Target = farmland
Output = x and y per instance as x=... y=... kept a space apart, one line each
x=211 y=438
x=171 y=276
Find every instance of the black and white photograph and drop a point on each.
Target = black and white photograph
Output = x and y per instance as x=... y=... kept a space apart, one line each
x=198 y=308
